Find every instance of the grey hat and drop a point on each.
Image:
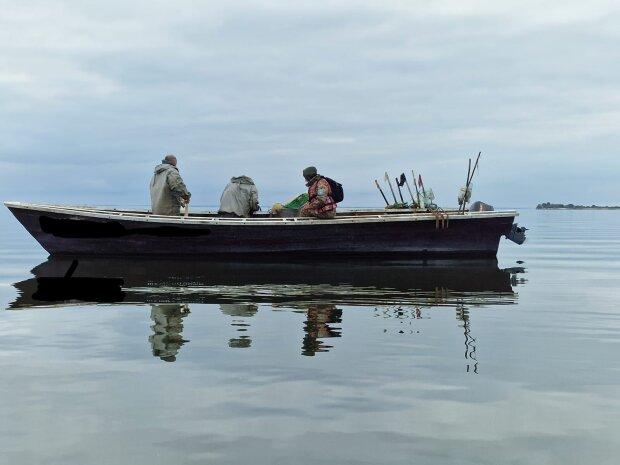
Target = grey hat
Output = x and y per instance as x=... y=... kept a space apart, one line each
x=310 y=172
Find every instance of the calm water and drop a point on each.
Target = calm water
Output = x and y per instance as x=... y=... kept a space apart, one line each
x=350 y=363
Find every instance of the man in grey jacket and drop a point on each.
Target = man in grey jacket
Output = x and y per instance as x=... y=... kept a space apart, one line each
x=240 y=198
x=168 y=191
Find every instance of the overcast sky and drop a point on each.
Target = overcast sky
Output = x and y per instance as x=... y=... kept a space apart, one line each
x=93 y=94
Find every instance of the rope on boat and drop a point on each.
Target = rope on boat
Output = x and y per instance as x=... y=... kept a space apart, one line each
x=442 y=219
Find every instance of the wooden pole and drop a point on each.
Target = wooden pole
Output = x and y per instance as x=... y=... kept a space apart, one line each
x=475 y=166
x=462 y=207
x=387 y=178
x=382 y=194
x=470 y=178
x=423 y=189
x=404 y=178
x=415 y=184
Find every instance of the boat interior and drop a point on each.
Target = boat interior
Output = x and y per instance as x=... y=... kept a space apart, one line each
x=289 y=213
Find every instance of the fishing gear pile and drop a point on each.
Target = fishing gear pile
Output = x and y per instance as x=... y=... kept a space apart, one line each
x=422 y=200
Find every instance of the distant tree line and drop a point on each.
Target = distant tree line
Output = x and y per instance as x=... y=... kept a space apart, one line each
x=570 y=206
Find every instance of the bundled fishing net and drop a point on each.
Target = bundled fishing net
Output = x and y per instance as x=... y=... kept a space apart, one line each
x=290 y=207
x=396 y=206
x=297 y=202
x=464 y=195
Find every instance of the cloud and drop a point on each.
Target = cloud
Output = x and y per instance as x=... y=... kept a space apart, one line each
x=104 y=90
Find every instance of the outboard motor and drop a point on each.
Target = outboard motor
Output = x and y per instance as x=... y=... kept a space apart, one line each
x=516 y=234
x=479 y=206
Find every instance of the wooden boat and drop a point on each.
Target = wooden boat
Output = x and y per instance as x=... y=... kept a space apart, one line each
x=88 y=231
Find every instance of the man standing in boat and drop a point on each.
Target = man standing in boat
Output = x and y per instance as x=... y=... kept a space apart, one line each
x=321 y=203
x=168 y=191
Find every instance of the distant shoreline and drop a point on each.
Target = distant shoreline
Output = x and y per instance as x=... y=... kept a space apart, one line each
x=570 y=206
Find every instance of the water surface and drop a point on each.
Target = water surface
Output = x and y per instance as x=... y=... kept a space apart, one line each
x=297 y=363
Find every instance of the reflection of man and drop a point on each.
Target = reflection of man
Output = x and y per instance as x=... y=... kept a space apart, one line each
x=239 y=310
x=317 y=327
x=242 y=341
x=167 y=339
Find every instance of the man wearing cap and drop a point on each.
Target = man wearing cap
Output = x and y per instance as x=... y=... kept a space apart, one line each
x=320 y=199
x=168 y=191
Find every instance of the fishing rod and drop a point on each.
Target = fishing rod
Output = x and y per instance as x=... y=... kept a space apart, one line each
x=387 y=178
x=382 y=194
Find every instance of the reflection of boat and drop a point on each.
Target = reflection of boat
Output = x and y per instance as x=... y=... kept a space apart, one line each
x=92 y=289
x=91 y=231
x=69 y=287
x=397 y=290
x=340 y=282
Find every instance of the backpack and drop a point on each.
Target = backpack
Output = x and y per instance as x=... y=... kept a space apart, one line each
x=337 y=191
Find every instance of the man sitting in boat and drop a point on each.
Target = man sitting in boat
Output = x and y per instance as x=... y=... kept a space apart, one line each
x=168 y=191
x=239 y=199
x=320 y=197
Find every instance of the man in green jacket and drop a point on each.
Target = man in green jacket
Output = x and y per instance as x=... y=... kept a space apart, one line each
x=168 y=191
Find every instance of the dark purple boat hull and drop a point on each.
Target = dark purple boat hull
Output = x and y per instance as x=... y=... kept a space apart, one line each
x=71 y=234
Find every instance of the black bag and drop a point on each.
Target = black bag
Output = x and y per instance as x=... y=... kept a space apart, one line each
x=337 y=191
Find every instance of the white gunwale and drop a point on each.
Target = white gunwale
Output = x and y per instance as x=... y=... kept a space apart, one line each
x=94 y=212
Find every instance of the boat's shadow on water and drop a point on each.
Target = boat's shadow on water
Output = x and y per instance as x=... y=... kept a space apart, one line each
x=396 y=289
